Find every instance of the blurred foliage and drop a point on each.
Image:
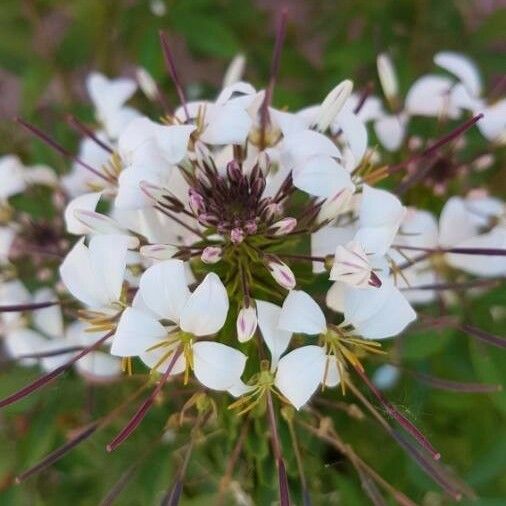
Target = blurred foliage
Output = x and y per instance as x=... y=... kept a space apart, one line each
x=46 y=49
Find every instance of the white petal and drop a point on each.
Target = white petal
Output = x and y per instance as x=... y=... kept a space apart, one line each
x=24 y=342
x=173 y=141
x=98 y=366
x=380 y=216
x=299 y=374
x=48 y=320
x=109 y=94
x=331 y=374
x=301 y=313
x=162 y=357
x=228 y=124
x=493 y=124
x=430 y=96
x=304 y=144
x=276 y=339
x=391 y=131
x=80 y=279
x=164 y=289
x=335 y=297
x=456 y=224
x=87 y=202
x=12 y=176
x=136 y=332
x=481 y=265
x=461 y=67
x=321 y=176
x=7 y=236
x=108 y=258
x=354 y=133
x=206 y=309
x=216 y=365
x=377 y=313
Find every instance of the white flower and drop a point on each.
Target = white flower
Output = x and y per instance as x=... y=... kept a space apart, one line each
x=297 y=374
x=94 y=274
x=164 y=295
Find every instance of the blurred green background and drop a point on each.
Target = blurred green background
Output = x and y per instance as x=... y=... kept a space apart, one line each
x=46 y=50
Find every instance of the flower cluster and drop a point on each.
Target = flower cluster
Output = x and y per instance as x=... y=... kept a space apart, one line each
x=243 y=247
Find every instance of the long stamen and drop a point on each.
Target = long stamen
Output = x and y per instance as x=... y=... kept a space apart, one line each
x=464 y=251
x=477 y=283
x=276 y=57
x=171 y=67
x=284 y=494
x=434 y=147
x=51 y=353
x=455 y=386
x=58 y=453
x=144 y=408
x=60 y=149
x=18 y=308
x=83 y=129
x=396 y=415
x=486 y=337
x=452 y=485
x=47 y=378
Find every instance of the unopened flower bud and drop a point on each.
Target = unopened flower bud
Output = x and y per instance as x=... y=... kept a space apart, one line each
x=387 y=76
x=272 y=210
x=246 y=323
x=334 y=206
x=237 y=235
x=208 y=219
x=211 y=254
x=146 y=83
x=158 y=251
x=250 y=227
x=333 y=104
x=281 y=273
x=283 y=227
x=196 y=201
x=234 y=171
x=351 y=266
